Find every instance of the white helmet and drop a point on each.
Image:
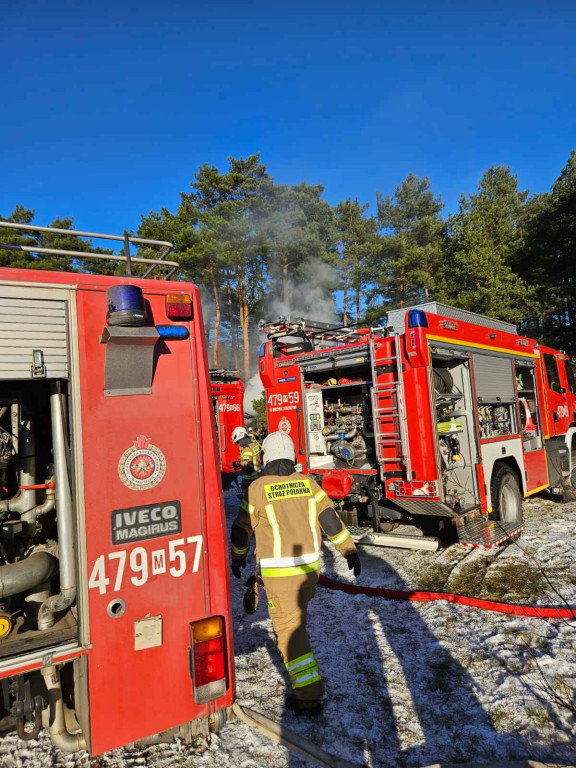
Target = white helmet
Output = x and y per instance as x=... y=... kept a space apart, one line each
x=278 y=445
x=238 y=434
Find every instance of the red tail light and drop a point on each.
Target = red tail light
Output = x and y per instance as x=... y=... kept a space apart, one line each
x=208 y=659
x=179 y=306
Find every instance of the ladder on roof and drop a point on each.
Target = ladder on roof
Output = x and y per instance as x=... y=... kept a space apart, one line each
x=388 y=405
x=125 y=256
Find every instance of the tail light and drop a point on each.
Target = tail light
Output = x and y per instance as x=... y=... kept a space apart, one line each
x=179 y=306
x=208 y=659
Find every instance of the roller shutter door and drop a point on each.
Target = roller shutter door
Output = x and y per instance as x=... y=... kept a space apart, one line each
x=494 y=378
x=27 y=325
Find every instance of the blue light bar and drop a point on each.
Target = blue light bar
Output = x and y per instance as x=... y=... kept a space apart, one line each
x=173 y=332
x=417 y=319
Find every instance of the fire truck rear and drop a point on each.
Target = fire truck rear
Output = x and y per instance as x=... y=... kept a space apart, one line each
x=440 y=419
x=114 y=594
x=228 y=401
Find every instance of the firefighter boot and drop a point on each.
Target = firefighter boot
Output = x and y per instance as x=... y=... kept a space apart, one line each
x=304 y=707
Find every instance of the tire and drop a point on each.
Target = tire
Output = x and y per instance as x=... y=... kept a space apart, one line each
x=573 y=466
x=388 y=526
x=506 y=495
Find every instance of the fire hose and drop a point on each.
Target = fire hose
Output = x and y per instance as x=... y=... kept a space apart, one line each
x=532 y=611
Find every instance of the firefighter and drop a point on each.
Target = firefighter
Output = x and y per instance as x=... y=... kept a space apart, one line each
x=286 y=512
x=249 y=455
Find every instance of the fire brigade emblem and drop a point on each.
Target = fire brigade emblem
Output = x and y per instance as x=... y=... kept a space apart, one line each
x=142 y=466
x=284 y=425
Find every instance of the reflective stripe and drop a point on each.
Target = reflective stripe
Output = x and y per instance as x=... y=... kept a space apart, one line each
x=297 y=662
x=245 y=507
x=239 y=550
x=281 y=562
x=313 y=525
x=320 y=495
x=295 y=571
x=275 y=529
x=305 y=680
x=341 y=537
x=308 y=667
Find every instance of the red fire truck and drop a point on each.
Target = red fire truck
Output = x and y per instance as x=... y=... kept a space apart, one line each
x=228 y=400
x=114 y=591
x=440 y=419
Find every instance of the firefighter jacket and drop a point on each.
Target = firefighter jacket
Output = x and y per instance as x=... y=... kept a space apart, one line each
x=287 y=512
x=250 y=457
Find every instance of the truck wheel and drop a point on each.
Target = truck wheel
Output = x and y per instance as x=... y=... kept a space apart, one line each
x=573 y=465
x=506 y=495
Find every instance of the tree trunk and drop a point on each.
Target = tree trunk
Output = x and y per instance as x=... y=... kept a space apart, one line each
x=244 y=319
x=285 y=281
x=233 y=329
x=357 y=287
x=344 y=286
x=217 y=319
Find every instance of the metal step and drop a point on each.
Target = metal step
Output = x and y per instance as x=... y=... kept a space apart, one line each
x=367 y=536
x=486 y=533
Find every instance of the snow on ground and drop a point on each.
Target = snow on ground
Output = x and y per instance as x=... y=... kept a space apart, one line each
x=408 y=684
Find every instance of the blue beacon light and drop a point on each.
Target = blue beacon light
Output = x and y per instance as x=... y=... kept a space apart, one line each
x=417 y=319
x=126 y=306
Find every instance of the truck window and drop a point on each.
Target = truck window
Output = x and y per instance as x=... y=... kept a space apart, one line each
x=552 y=372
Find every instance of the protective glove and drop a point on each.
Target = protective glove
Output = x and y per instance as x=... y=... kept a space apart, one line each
x=354 y=564
x=237 y=566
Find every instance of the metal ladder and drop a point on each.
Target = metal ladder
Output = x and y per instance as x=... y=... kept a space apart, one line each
x=389 y=421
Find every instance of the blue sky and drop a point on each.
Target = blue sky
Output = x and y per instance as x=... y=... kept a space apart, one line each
x=109 y=108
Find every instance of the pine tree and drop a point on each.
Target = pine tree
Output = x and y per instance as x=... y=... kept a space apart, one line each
x=481 y=243
x=547 y=260
x=411 y=225
x=357 y=239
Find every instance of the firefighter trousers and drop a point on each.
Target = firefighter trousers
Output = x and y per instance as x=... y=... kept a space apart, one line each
x=288 y=598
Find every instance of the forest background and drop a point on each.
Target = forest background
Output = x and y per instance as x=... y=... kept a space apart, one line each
x=260 y=249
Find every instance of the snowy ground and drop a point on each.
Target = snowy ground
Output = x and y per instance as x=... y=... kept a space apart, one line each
x=408 y=684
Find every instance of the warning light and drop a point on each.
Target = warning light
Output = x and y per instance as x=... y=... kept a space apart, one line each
x=173 y=332
x=179 y=306
x=125 y=306
x=417 y=319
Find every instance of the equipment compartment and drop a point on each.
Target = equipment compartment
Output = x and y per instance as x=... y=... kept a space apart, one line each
x=457 y=445
x=338 y=419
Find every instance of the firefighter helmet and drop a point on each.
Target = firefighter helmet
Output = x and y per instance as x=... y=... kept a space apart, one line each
x=238 y=434
x=278 y=445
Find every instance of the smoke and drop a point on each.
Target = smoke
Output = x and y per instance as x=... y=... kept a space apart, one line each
x=253 y=391
x=310 y=297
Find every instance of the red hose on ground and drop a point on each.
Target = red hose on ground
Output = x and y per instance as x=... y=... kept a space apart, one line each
x=475 y=602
